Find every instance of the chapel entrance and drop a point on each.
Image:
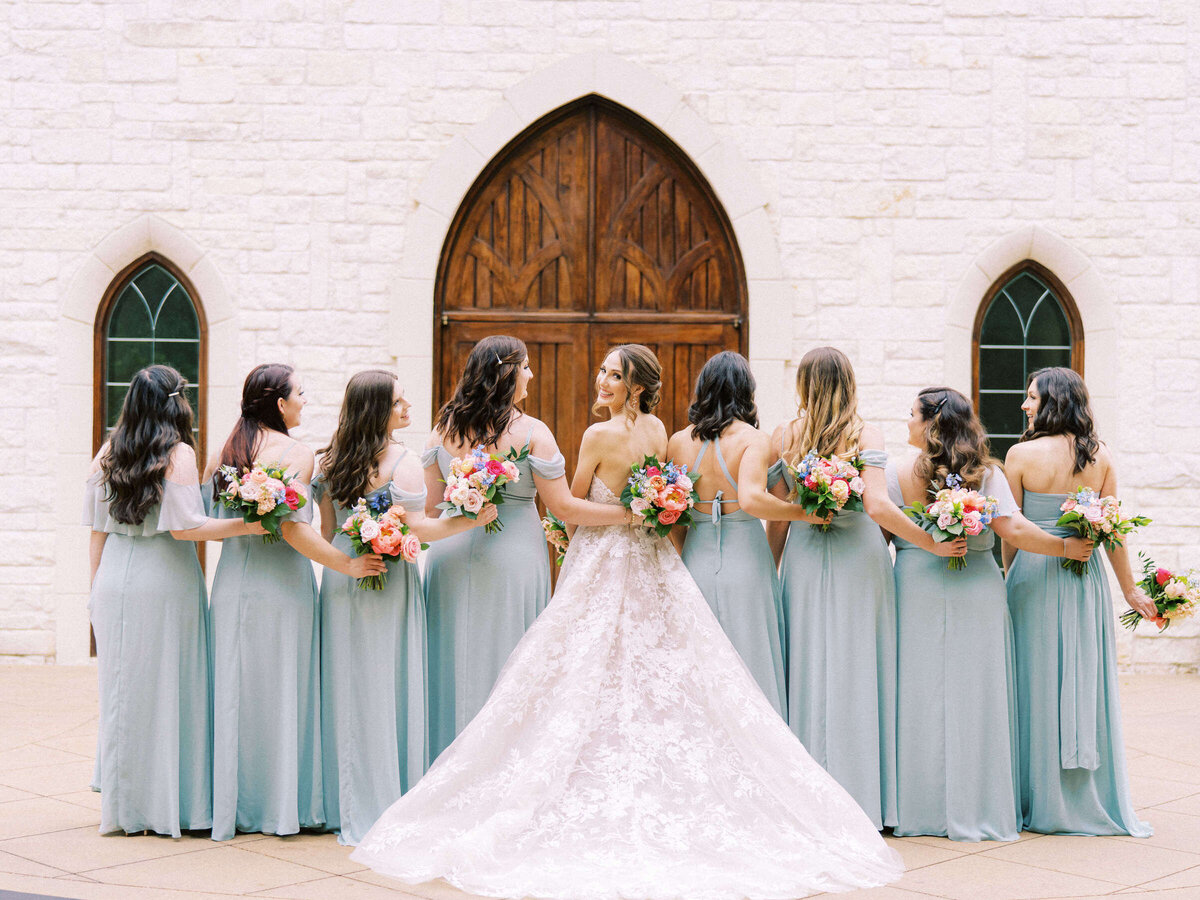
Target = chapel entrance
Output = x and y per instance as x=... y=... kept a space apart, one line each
x=591 y=228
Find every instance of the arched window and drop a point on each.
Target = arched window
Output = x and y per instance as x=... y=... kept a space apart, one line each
x=149 y=315
x=1026 y=321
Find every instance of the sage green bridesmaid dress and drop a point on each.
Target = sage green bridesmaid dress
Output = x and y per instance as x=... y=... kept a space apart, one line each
x=1072 y=754
x=264 y=621
x=149 y=610
x=730 y=560
x=482 y=591
x=839 y=599
x=372 y=684
x=955 y=693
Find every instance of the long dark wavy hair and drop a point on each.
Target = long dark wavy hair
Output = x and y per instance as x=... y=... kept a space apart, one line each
x=482 y=406
x=639 y=368
x=955 y=441
x=1065 y=408
x=351 y=461
x=724 y=394
x=262 y=390
x=155 y=417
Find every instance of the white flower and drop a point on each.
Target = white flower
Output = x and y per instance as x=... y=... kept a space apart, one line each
x=474 y=502
x=639 y=506
x=368 y=530
x=459 y=494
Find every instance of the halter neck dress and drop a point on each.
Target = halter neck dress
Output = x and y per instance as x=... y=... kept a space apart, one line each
x=263 y=616
x=1073 y=778
x=955 y=697
x=372 y=682
x=482 y=591
x=730 y=560
x=840 y=606
x=149 y=610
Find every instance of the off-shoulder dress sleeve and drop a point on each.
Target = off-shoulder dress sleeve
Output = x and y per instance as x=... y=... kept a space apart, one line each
x=182 y=507
x=429 y=457
x=875 y=458
x=775 y=473
x=554 y=467
x=996 y=485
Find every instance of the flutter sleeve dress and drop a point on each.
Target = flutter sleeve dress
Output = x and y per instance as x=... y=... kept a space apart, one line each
x=482 y=592
x=149 y=612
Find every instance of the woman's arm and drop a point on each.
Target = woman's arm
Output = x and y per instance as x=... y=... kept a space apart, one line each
x=753 y=495
x=1013 y=471
x=1018 y=531
x=303 y=538
x=1119 y=558
x=218 y=530
x=328 y=525
x=95 y=551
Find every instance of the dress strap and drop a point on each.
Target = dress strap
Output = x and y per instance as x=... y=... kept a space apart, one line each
x=700 y=455
x=724 y=468
x=399 y=459
x=286 y=454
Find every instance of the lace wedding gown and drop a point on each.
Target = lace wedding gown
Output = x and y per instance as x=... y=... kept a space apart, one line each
x=627 y=752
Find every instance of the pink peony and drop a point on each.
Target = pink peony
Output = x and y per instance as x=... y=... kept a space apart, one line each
x=675 y=498
x=669 y=516
x=410 y=547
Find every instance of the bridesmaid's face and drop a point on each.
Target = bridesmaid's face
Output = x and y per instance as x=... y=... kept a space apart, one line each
x=400 y=409
x=916 y=426
x=524 y=376
x=292 y=405
x=1033 y=402
x=611 y=389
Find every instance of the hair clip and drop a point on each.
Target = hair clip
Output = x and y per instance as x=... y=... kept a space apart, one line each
x=937 y=409
x=499 y=361
x=173 y=394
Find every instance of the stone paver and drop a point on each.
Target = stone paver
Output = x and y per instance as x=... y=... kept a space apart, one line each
x=49 y=843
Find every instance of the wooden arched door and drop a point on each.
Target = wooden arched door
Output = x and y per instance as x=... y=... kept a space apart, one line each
x=589 y=229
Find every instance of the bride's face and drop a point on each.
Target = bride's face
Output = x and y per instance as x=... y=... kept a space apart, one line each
x=611 y=390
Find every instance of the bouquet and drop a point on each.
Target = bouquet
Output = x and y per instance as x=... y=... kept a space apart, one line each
x=378 y=527
x=475 y=480
x=661 y=494
x=955 y=512
x=263 y=494
x=556 y=536
x=826 y=485
x=1098 y=519
x=1175 y=596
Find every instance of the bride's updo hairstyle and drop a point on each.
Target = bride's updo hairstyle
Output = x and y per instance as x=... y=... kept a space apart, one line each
x=351 y=461
x=640 y=368
x=955 y=442
x=262 y=390
x=724 y=395
x=1064 y=408
x=155 y=417
x=482 y=405
x=828 y=412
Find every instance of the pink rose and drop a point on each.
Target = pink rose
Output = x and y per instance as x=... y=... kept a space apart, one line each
x=290 y=497
x=1162 y=576
x=684 y=482
x=474 y=502
x=258 y=476
x=1093 y=514
x=639 y=506
x=669 y=516
x=653 y=471
x=945 y=520
x=410 y=547
x=495 y=467
x=972 y=523
x=857 y=485
x=1068 y=505
x=511 y=472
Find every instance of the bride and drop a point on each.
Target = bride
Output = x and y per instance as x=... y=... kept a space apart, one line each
x=626 y=751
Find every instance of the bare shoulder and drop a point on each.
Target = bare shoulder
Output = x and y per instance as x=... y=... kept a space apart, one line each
x=656 y=425
x=98 y=458
x=302 y=461
x=776 y=441
x=214 y=463
x=871 y=437
x=408 y=474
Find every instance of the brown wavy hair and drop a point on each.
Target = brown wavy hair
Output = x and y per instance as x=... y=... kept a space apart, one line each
x=828 y=411
x=639 y=368
x=1065 y=408
x=155 y=417
x=262 y=390
x=955 y=442
x=351 y=461
x=482 y=406
x=724 y=395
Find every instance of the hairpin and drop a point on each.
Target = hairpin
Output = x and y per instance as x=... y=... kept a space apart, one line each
x=499 y=361
x=937 y=409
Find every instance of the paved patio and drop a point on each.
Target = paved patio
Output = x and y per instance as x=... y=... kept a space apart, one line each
x=49 y=843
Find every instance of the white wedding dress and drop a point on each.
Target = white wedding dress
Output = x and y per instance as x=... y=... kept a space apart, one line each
x=627 y=752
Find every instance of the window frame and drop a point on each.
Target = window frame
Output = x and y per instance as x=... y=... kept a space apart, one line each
x=100 y=347
x=1066 y=303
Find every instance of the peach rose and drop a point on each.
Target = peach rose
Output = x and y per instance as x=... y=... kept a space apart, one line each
x=669 y=516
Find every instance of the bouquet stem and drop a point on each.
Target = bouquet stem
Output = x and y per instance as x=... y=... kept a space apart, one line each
x=956 y=564
x=822 y=527
x=493 y=527
x=1079 y=567
x=272 y=538
x=373 y=582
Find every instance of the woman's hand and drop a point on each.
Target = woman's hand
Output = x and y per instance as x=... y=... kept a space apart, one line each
x=255 y=528
x=1140 y=601
x=947 y=549
x=1078 y=549
x=486 y=516
x=367 y=564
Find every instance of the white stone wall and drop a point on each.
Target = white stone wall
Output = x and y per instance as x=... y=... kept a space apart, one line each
x=880 y=160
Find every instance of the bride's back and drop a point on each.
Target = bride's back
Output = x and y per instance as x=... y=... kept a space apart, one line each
x=623 y=442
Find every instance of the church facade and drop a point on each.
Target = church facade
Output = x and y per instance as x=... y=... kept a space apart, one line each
x=951 y=193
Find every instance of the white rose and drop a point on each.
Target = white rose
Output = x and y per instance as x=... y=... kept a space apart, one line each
x=1175 y=589
x=368 y=530
x=250 y=492
x=684 y=482
x=639 y=506
x=474 y=502
x=459 y=495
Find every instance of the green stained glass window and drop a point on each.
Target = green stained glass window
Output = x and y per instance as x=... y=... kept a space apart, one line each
x=152 y=321
x=1025 y=328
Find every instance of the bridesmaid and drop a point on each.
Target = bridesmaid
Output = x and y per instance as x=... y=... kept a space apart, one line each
x=1072 y=755
x=148 y=608
x=373 y=642
x=726 y=550
x=956 y=711
x=482 y=591
x=839 y=594
x=263 y=618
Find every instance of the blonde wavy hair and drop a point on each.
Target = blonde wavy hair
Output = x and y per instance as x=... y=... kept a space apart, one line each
x=827 y=418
